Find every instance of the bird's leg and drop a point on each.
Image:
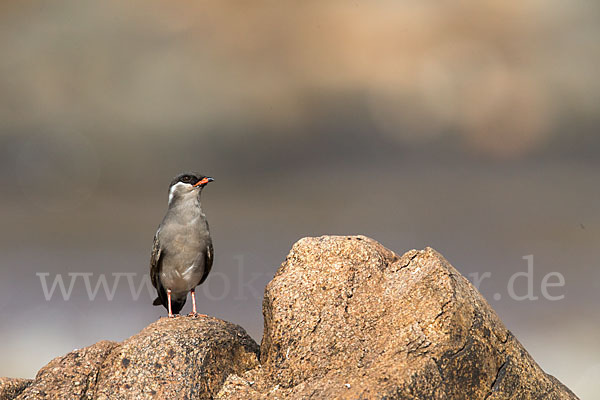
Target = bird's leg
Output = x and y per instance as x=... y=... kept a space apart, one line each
x=193 y=292
x=169 y=301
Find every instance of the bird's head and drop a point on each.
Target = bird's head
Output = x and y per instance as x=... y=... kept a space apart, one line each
x=187 y=185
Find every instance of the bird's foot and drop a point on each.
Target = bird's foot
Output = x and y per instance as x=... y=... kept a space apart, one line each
x=193 y=314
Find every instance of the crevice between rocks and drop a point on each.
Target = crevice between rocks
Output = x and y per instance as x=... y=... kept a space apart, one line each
x=409 y=261
x=94 y=386
x=498 y=379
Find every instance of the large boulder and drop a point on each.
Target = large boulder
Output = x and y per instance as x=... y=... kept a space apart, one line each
x=180 y=358
x=346 y=318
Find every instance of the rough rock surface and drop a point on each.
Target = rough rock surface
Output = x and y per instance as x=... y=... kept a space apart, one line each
x=70 y=376
x=185 y=357
x=346 y=318
x=12 y=387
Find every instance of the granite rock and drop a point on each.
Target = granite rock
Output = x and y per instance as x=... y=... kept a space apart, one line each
x=346 y=318
x=180 y=358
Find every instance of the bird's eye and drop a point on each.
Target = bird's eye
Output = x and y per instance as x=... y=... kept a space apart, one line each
x=186 y=178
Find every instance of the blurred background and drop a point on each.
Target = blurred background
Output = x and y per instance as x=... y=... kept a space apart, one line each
x=468 y=126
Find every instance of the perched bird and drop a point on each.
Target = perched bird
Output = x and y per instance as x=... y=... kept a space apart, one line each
x=182 y=254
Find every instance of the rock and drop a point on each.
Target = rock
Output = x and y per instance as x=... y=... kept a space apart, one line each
x=70 y=376
x=185 y=357
x=12 y=387
x=177 y=358
x=346 y=318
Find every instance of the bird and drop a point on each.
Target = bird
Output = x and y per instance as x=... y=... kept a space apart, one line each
x=182 y=251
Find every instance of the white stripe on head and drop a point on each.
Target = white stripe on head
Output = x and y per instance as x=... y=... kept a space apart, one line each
x=179 y=186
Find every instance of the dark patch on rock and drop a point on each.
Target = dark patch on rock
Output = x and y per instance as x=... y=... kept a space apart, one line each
x=12 y=387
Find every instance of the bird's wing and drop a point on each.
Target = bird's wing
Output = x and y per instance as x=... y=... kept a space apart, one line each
x=208 y=261
x=155 y=263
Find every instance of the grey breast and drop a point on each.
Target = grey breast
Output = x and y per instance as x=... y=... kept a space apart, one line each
x=185 y=240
